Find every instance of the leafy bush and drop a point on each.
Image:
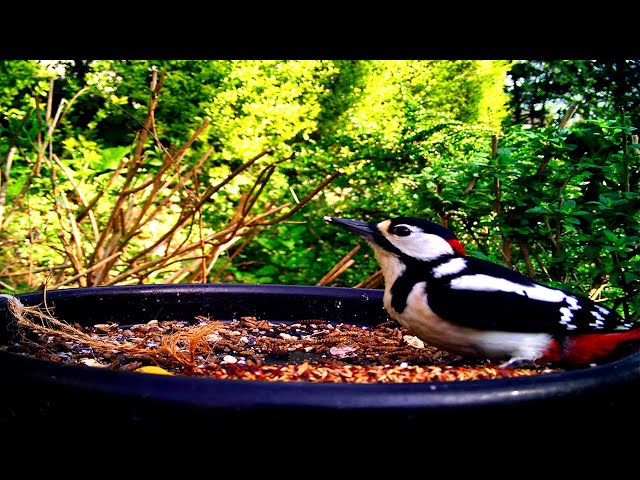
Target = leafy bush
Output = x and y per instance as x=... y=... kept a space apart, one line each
x=560 y=205
x=82 y=181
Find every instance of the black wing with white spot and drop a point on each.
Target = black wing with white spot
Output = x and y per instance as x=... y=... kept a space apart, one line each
x=489 y=296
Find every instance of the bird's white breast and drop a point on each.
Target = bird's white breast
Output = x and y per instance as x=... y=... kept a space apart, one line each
x=430 y=327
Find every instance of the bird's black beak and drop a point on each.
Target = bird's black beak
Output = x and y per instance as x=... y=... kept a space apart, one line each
x=364 y=229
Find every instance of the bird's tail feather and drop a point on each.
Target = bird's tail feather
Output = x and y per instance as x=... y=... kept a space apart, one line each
x=585 y=348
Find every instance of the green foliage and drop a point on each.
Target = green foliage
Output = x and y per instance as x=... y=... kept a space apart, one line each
x=408 y=138
x=541 y=90
x=559 y=205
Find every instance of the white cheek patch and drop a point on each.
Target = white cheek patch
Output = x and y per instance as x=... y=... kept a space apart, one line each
x=420 y=245
x=453 y=266
x=487 y=283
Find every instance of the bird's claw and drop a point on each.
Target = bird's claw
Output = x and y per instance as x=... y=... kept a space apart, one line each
x=519 y=363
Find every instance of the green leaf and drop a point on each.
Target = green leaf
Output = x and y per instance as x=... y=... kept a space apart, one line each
x=111 y=158
x=538 y=210
x=266 y=270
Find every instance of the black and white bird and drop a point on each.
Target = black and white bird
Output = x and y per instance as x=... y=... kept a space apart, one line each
x=476 y=308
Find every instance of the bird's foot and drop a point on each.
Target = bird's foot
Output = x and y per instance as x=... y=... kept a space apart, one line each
x=518 y=362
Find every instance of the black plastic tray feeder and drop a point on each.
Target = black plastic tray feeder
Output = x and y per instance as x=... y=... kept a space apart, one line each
x=42 y=391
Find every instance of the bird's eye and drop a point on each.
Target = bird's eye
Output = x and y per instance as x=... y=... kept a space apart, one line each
x=401 y=231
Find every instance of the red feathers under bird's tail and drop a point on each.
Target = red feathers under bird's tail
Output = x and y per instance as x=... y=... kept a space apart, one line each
x=588 y=348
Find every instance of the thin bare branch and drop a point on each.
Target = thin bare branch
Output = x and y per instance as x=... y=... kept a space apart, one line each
x=340 y=267
x=133 y=165
x=524 y=248
x=186 y=215
x=496 y=181
x=156 y=86
x=160 y=263
x=35 y=270
x=178 y=275
x=81 y=197
x=87 y=271
x=471 y=185
x=567 y=116
x=160 y=206
x=235 y=253
x=91 y=205
x=372 y=281
x=211 y=258
x=145 y=266
x=304 y=201
x=75 y=233
x=16 y=204
x=4 y=180
x=338 y=272
x=47 y=115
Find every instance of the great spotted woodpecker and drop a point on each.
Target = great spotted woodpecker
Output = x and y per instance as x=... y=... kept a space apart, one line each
x=476 y=308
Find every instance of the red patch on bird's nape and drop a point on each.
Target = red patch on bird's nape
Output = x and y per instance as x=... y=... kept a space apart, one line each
x=457 y=246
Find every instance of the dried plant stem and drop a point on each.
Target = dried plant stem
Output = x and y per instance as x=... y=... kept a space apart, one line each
x=235 y=253
x=81 y=197
x=373 y=281
x=189 y=212
x=132 y=168
x=211 y=257
x=35 y=270
x=91 y=205
x=62 y=235
x=4 y=180
x=194 y=339
x=35 y=319
x=107 y=248
x=496 y=180
x=17 y=202
x=87 y=271
x=567 y=116
x=5 y=174
x=160 y=205
x=527 y=258
x=339 y=268
x=304 y=201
